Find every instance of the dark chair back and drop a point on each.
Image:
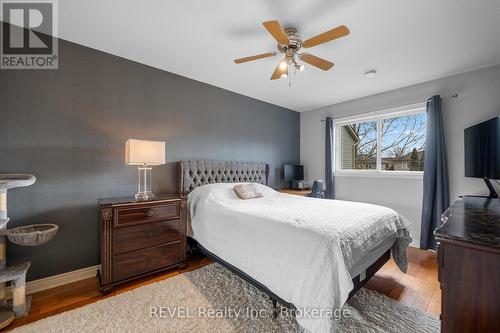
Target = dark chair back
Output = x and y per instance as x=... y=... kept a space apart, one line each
x=317 y=189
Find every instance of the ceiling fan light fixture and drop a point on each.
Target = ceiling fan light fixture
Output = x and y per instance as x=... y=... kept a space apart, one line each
x=289 y=43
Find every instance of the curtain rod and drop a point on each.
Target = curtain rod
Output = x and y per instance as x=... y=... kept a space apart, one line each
x=455 y=95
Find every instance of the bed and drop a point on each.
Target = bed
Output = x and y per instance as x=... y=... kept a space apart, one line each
x=305 y=253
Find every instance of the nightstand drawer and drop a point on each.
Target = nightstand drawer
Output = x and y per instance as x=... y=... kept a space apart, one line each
x=145 y=235
x=142 y=261
x=137 y=215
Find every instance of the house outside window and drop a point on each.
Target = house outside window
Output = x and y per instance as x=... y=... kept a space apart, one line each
x=383 y=143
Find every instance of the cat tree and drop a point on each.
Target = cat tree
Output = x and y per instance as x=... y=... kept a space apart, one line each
x=30 y=235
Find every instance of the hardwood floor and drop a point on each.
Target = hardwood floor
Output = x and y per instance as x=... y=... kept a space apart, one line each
x=418 y=288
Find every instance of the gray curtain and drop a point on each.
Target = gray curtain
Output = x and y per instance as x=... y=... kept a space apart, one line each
x=436 y=193
x=330 y=193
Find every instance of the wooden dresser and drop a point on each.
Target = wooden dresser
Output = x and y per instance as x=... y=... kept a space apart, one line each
x=469 y=266
x=140 y=238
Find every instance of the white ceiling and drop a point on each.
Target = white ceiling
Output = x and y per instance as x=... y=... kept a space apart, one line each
x=406 y=41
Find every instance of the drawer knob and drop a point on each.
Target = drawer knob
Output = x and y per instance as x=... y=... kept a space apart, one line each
x=150 y=213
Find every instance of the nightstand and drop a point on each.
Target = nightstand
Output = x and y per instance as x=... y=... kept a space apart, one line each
x=295 y=192
x=139 y=238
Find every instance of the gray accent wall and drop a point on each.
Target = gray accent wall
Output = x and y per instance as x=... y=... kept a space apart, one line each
x=68 y=127
x=479 y=100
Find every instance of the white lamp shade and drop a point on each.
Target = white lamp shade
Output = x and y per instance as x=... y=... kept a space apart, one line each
x=144 y=152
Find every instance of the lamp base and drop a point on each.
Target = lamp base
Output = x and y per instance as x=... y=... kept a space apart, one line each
x=144 y=196
x=144 y=186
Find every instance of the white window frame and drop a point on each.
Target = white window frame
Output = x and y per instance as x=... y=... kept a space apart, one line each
x=377 y=116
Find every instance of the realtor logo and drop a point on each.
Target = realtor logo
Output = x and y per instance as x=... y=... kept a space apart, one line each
x=28 y=35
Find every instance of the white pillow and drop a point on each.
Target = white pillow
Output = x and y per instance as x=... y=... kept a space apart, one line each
x=247 y=191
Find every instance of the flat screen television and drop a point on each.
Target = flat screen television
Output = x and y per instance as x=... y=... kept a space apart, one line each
x=293 y=172
x=482 y=152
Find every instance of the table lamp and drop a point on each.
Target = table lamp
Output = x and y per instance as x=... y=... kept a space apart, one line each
x=144 y=154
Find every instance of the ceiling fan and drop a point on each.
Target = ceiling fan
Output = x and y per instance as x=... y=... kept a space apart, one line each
x=289 y=43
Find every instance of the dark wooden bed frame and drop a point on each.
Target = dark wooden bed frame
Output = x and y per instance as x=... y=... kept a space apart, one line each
x=207 y=175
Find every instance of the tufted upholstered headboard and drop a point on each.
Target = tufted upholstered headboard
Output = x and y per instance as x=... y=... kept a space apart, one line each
x=195 y=173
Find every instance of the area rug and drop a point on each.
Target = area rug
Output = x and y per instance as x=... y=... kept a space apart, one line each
x=212 y=299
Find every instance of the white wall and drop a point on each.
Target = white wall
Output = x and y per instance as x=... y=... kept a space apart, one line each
x=479 y=100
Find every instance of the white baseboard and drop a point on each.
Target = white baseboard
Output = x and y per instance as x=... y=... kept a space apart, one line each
x=61 y=279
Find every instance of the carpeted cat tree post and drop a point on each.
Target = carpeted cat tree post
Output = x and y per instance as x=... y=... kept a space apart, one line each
x=30 y=235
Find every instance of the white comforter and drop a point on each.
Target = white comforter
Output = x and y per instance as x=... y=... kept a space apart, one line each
x=300 y=248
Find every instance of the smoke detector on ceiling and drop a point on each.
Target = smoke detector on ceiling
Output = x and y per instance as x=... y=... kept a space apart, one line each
x=370 y=73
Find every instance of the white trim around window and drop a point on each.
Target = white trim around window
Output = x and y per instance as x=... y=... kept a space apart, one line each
x=386 y=113
x=377 y=116
x=380 y=174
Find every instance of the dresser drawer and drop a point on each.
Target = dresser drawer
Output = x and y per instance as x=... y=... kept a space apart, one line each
x=136 y=215
x=140 y=236
x=142 y=261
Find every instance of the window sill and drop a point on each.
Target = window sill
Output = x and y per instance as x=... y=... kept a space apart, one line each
x=381 y=174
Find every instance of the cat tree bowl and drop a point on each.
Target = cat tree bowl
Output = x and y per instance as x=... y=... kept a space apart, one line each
x=32 y=235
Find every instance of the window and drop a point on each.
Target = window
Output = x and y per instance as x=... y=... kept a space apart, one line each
x=359 y=146
x=403 y=142
x=382 y=143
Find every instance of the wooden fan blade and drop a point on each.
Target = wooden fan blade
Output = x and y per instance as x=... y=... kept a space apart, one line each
x=316 y=61
x=278 y=71
x=277 y=31
x=335 y=33
x=255 y=57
